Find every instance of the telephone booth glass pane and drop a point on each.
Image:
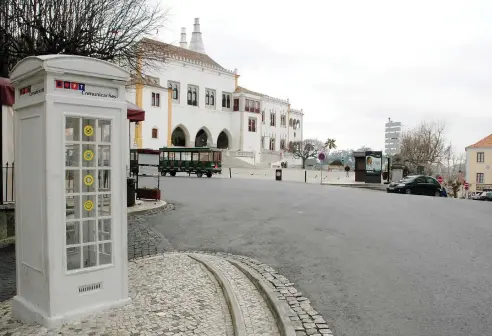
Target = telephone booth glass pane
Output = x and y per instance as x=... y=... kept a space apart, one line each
x=88 y=192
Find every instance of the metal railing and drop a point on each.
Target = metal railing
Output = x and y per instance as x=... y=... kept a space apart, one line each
x=7 y=195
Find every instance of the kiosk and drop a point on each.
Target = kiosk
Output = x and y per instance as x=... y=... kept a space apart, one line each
x=70 y=190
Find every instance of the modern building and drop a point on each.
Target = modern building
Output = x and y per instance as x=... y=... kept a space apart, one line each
x=392 y=137
x=191 y=100
x=479 y=165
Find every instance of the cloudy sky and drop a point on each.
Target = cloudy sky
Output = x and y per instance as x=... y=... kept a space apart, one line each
x=352 y=64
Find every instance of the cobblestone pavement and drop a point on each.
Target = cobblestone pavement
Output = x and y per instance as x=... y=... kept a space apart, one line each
x=259 y=319
x=305 y=319
x=171 y=295
x=142 y=241
x=7 y=272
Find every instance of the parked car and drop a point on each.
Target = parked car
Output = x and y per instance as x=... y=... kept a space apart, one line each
x=417 y=185
x=484 y=196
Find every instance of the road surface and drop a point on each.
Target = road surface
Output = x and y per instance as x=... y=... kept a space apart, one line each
x=372 y=263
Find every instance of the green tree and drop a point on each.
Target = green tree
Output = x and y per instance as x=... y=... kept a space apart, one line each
x=330 y=144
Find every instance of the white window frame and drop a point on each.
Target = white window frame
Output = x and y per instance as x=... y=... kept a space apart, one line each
x=155 y=99
x=97 y=196
x=172 y=85
x=209 y=94
x=193 y=89
x=226 y=94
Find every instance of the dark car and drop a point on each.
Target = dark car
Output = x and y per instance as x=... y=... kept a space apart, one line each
x=484 y=196
x=417 y=185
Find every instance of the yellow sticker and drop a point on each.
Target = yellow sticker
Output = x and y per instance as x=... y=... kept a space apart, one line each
x=88 y=205
x=88 y=155
x=88 y=130
x=88 y=180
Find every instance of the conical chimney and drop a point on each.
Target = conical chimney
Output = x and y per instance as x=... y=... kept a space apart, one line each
x=196 y=43
x=183 y=43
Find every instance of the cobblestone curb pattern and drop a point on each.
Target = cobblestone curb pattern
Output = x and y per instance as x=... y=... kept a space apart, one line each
x=308 y=321
x=233 y=305
x=305 y=320
x=258 y=318
x=279 y=308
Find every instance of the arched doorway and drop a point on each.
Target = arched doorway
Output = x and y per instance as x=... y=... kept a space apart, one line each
x=201 y=139
x=178 y=137
x=223 y=140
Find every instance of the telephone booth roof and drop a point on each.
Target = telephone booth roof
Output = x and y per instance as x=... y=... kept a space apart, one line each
x=7 y=92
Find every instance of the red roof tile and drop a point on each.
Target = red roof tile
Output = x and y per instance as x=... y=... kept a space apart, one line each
x=484 y=143
x=169 y=49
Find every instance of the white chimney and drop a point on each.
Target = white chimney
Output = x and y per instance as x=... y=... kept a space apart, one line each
x=196 y=43
x=183 y=43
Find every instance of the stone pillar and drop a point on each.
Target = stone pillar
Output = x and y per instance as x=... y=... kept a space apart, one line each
x=71 y=225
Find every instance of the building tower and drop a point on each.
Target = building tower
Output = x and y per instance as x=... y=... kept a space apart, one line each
x=183 y=43
x=392 y=137
x=196 y=43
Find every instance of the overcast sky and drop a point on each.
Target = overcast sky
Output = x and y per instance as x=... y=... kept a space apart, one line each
x=352 y=64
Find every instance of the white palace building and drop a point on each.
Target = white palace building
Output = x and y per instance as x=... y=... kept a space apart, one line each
x=191 y=100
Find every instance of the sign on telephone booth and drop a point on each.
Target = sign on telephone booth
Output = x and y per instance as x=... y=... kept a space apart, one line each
x=71 y=224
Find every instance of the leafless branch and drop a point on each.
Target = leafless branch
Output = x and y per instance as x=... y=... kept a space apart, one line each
x=106 y=29
x=425 y=146
x=306 y=149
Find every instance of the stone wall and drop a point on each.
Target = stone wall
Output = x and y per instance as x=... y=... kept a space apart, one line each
x=7 y=224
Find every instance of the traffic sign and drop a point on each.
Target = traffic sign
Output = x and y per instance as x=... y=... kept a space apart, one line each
x=466 y=185
x=440 y=179
x=321 y=156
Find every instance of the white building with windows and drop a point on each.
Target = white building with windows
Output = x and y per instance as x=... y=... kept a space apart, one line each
x=392 y=137
x=191 y=100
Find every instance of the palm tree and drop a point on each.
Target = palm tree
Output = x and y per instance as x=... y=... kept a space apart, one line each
x=330 y=144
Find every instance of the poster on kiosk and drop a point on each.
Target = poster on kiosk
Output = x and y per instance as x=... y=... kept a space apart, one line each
x=71 y=224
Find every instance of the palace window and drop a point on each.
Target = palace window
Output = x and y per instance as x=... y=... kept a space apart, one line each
x=210 y=97
x=156 y=99
x=283 y=120
x=252 y=106
x=480 y=157
x=272 y=144
x=155 y=133
x=236 y=104
x=262 y=118
x=273 y=116
x=246 y=105
x=251 y=124
x=290 y=122
x=282 y=144
x=192 y=95
x=479 y=177
x=262 y=142
x=174 y=86
x=226 y=100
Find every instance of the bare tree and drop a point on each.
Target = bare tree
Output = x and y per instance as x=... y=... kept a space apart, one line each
x=425 y=146
x=453 y=171
x=110 y=30
x=306 y=149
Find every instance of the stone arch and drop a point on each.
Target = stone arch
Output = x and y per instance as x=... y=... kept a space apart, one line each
x=180 y=136
x=203 y=137
x=224 y=139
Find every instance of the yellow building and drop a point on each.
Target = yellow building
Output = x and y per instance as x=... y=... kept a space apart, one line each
x=479 y=165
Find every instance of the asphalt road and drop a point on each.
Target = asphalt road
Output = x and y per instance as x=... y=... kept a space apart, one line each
x=372 y=263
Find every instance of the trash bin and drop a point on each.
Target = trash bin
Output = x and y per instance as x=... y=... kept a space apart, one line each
x=278 y=174
x=130 y=191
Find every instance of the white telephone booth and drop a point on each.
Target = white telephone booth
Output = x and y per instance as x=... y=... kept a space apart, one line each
x=70 y=190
